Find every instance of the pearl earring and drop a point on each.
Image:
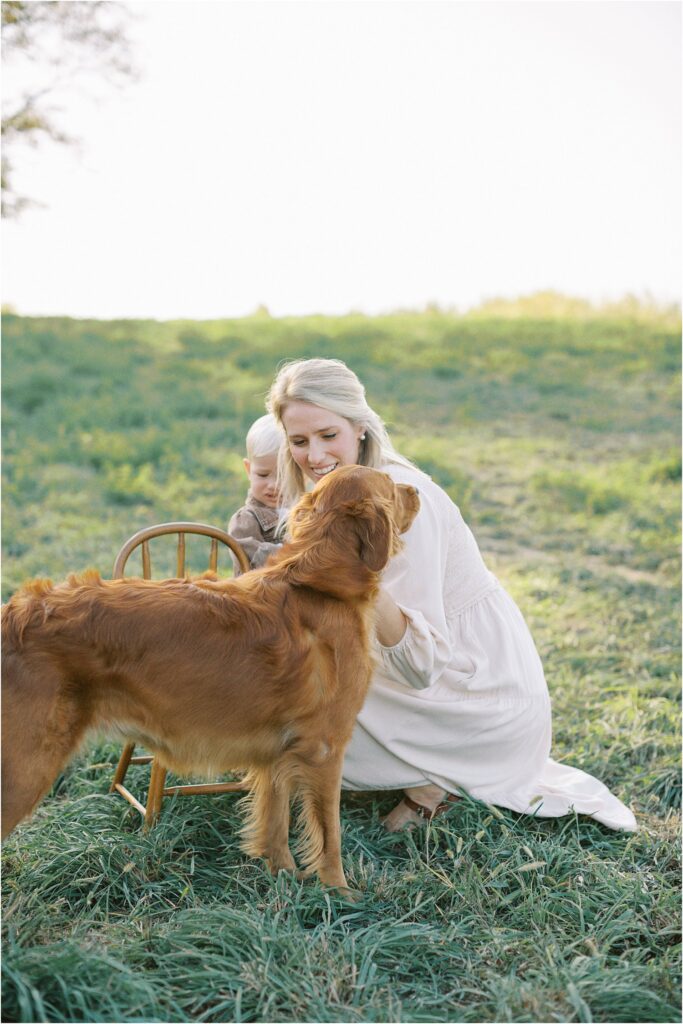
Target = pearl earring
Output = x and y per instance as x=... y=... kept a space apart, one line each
x=362 y=437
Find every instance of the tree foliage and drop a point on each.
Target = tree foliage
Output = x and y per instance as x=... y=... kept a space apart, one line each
x=50 y=49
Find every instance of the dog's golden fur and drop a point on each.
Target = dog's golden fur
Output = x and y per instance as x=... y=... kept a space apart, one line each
x=266 y=672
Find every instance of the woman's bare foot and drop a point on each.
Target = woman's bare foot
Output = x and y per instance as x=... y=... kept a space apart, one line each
x=404 y=816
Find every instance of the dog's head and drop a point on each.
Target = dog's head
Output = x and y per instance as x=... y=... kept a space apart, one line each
x=355 y=514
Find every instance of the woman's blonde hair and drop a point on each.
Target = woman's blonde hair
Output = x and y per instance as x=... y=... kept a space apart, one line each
x=331 y=385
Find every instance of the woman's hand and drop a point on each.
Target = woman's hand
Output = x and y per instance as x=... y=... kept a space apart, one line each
x=390 y=622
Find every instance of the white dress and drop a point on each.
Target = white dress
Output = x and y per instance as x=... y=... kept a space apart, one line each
x=461 y=700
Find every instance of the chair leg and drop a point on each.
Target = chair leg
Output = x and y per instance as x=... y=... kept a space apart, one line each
x=122 y=766
x=155 y=795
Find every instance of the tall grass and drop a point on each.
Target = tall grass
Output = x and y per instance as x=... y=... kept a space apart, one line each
x=556 y=429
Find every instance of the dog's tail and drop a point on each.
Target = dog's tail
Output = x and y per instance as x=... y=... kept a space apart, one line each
x=40 y=599
x=28 y=605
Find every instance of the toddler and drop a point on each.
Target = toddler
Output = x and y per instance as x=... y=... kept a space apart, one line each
x=254 y=525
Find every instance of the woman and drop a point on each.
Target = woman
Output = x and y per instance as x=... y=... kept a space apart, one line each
x=459 y=699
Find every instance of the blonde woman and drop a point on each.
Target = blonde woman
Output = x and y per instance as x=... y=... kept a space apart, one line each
x=459 y=700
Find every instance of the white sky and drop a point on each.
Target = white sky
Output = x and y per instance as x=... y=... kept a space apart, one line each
x=373 y=155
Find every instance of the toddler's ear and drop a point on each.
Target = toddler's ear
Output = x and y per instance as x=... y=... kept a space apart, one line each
x=247 y=466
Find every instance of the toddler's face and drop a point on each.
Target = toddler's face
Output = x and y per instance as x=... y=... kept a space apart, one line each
x=262 y=473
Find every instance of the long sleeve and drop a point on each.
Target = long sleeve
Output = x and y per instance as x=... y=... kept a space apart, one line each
x=415 y=580
x=245 y=528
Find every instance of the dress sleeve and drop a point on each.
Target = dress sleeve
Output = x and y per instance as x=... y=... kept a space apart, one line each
x=245 y=529
x=414 y=579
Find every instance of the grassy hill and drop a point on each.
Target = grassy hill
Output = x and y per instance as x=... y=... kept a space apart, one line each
x=555 y=427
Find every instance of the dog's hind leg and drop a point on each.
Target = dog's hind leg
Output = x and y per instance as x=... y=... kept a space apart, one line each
x=266 y=830
x=321 y=840
x=41 y=728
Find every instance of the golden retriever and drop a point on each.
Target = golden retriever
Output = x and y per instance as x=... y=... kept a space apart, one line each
x=266 y=672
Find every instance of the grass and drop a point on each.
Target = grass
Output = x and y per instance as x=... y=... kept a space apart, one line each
x=555 y=427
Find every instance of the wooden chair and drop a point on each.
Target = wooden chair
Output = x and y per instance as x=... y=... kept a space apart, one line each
x=157 y=783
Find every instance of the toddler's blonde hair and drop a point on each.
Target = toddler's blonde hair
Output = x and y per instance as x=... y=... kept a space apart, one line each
x=264 y=437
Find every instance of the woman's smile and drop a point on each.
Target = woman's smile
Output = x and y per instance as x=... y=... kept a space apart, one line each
x=324 y=470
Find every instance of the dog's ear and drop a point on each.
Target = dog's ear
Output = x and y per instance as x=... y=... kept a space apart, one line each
x=409 y=501
x=373 y=528
x=300 y=513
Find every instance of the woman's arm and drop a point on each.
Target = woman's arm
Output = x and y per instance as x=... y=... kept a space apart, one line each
x=390 y=622
x=411 y=631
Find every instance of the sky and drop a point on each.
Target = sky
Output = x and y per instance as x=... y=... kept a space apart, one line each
x=360 y=155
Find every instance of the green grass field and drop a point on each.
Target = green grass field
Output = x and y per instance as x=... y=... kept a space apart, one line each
x=555 y=428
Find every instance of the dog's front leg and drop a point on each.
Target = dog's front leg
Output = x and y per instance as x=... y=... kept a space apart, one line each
x=267 y=827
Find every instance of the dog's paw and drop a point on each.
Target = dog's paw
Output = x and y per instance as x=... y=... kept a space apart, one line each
x=348 y=895
x=286 y=864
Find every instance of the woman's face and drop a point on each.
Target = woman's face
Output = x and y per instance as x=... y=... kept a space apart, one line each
x=319 y=440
